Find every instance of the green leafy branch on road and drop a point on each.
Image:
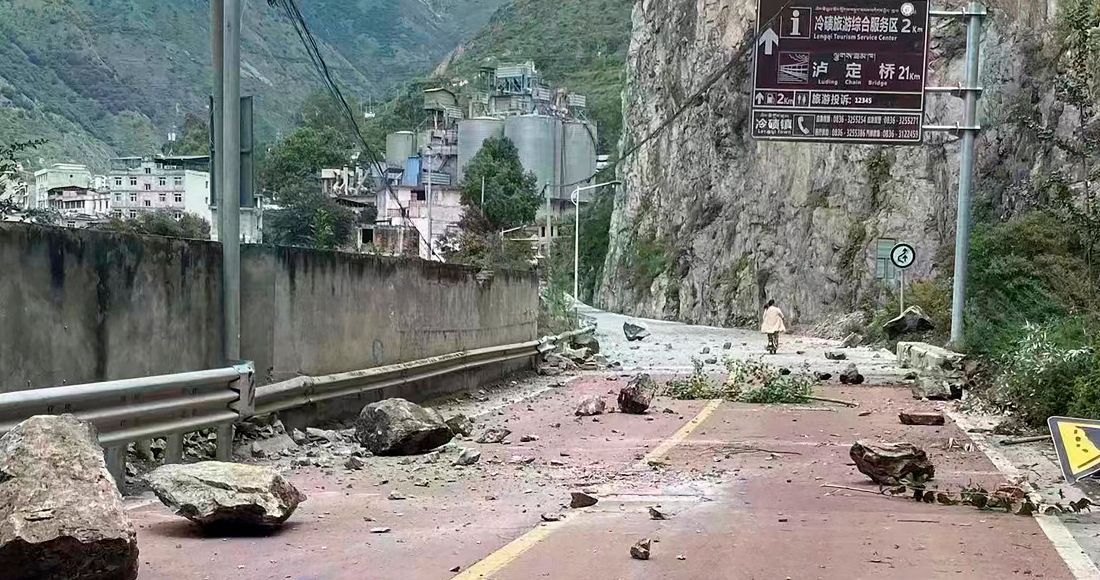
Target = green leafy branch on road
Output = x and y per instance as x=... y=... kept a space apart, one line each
x=748 y=381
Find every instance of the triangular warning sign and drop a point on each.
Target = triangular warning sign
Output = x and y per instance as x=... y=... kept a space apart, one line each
x=1078 y=444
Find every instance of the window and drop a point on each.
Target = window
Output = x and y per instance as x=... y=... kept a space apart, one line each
x=71 y=224
x=162 y=181
x=420 y=196
x=148 y=171
x=179 y=197
x=367 y=235
x=148 y=203
x=118 y=182
x=163 y=198
x=178 y=215
x=133 y=198
x=178 y=181
x=118 y=198
x=148 y=187
x=133 y=182
x=133 y=214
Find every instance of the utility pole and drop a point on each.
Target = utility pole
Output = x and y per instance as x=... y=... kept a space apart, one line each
x=974 y=13
x=482 y=193
x=429 y=197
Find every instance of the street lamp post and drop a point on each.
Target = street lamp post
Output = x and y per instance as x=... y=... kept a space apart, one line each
x=575 y=197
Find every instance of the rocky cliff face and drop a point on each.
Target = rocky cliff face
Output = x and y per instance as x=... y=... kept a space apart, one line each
x=711 y=223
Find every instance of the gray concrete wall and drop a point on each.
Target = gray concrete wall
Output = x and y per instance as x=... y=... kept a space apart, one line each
x=84 y=306
x=307 y=312
x=80 y=306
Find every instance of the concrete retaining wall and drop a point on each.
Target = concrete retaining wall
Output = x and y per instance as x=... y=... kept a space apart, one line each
x=85 y=306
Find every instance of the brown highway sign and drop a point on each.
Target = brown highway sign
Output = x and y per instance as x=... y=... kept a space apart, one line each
x=840 y=70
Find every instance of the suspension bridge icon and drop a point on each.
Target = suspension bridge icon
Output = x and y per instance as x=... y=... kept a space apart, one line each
x=1077 y=442
x=794 y=68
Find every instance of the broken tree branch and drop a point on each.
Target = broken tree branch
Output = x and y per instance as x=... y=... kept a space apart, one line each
x=845 y=487
x=1023 y=440
x=836 y=401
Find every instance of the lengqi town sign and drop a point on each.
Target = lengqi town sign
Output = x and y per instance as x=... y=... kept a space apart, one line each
x=840 y=71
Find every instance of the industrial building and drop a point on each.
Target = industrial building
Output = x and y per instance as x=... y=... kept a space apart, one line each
x=550 y=129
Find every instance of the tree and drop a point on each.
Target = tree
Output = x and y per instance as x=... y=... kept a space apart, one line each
x=160 y=223
x=8 y=168
x=510 y=196
x=194 y=139
x=299 y=159
x=308 y=218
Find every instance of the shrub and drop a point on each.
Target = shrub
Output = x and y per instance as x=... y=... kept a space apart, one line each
x=1040 y=375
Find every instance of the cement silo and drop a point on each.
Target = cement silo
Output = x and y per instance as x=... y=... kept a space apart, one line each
x=399 y=147
x=471 y=134
x=579 y=156
x=538 y=138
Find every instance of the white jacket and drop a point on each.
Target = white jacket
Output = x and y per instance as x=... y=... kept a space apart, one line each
x=773 y=321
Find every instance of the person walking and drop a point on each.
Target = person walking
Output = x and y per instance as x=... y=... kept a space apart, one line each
x=773 y=325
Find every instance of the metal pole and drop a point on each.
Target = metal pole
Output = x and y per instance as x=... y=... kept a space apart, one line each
x=429 y=196
x=975 y=12
x=576 y=244
x=230 y=202
x=483 y=193
x=217 y=52
x=902 y=285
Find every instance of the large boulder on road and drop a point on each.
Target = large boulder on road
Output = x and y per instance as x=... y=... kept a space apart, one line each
x=590 y=405
x=213 y=493
x=891 y=463
x=586 y=341
x=634 y=331
x=636 y=396
x=398 y=427
x=912 y=321
x=851 y=376
x=61 y=515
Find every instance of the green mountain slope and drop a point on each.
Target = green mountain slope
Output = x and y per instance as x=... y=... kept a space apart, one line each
x=579 y=44
x=101 y=77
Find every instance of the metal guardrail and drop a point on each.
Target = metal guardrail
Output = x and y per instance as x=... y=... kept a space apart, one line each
x=137 y=409
x=301 y=391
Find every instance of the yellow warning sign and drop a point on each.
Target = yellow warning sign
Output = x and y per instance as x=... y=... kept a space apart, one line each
x=1078 y=444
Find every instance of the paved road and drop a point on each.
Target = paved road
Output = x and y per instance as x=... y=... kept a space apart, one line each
x=741 y=484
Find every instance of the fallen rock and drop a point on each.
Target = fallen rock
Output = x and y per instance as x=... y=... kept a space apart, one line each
x=890 y=463
x=548 y=371
x=637 y=395
x=577 y=355
x=640 y=550
x=355 y=463
x=494 y=435
x=598 y=359
x=590 y=366
x=590 y=405
x=852 y=340
x=727 y=346
x=398 y=427
x=706 y=350
x=586 y=341
x=61 y=515
x=655 y=514
x=579 y=499
x=934 y=389
x=460 y=425
x=395 y=496
x=322 y=435
x=528 y=438
x=273 y=446
x=823 y=376
x=921 y=418
x=551 y=517
x=232 y=494
x=912 y=321
x=467 y=457
x=835 y=355
x=711 y=360
x=634 y=331
x=380 y=530
x=298 y=437
x=851 y=376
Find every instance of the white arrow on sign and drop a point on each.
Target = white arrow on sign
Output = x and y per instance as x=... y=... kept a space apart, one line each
x=769 y=40
x=759 y=98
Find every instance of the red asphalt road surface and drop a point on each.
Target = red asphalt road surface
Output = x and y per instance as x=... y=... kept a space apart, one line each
x=743 y=495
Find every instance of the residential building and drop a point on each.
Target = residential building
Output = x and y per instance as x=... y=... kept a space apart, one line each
x=79 y=207
x=446 y=211
x=171 y=184
x=59 y=175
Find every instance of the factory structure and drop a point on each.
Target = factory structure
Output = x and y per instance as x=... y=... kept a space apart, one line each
x=549 y=127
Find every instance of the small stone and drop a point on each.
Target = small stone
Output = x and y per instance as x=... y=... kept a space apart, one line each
x=422 y=483
x=494 y=435
x=355 y=463
x=823 y=376
x=521 y=460
x=640 y=550
x=580 y=499
x=460 y=424
x=468 y=456
x=681 y=557
x=394 y=495
x=727 y=346
x=455 y=568
x=655 y=514
x=551 y=517
x=835 y=355
x=528 y=438
x=556 y=463
x=706 y=350
x=380 y=530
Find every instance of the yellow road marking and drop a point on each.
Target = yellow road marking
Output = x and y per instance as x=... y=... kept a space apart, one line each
x=496 y=561
x=679 y=436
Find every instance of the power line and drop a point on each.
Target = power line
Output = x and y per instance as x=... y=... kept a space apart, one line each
x=314 y=53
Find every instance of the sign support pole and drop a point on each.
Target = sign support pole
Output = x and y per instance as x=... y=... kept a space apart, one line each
x=902 y=286
x=970 y=92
